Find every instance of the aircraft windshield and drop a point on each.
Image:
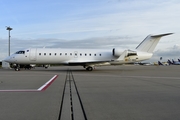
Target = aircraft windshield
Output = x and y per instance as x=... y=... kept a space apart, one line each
x=20 y=52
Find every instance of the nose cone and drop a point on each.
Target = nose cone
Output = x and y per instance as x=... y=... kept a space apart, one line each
x=8 y=59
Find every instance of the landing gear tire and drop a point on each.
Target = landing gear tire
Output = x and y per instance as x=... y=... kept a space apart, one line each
x=89 y=68
x=17 y=69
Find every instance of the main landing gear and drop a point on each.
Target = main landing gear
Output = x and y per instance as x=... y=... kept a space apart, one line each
x=89 y=68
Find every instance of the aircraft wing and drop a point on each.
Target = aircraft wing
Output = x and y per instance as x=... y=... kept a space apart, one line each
x=93 y=62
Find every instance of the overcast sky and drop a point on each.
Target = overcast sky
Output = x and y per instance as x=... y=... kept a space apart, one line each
x=90 y=24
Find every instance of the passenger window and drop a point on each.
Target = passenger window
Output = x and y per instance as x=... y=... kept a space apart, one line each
x=65 y=53
x=70 y=53
x=39 y=53
x=44 y=53
x=80 y=54
x=60 y=53
x=99 y=54
x=94 y=54
x=49 y=53
x=54 y=53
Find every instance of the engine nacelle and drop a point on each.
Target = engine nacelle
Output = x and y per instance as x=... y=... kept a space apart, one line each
x=116 y=52
x=131 y=53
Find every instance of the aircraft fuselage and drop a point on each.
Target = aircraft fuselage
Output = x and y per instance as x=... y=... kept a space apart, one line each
x=71 y=56
x=88 y=58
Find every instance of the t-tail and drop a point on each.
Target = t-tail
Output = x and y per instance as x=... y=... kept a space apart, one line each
x=150 y=42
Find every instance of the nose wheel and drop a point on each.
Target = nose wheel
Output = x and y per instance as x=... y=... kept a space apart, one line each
x=17 y=68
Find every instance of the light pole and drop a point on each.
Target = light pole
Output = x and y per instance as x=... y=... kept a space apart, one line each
x=9 y=28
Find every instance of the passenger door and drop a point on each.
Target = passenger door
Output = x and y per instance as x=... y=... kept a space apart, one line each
x=32 y=54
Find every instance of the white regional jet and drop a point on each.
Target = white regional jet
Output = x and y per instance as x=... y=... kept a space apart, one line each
x=88 y=58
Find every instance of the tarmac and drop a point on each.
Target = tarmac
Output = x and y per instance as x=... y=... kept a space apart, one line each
x=106 y=93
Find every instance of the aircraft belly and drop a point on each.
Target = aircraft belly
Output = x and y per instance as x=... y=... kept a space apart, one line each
x=51 y=60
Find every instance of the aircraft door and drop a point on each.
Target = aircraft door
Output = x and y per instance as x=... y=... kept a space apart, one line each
x=75 y=54
x=32 y=54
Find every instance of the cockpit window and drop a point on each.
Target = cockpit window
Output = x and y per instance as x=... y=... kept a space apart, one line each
x=20 y=52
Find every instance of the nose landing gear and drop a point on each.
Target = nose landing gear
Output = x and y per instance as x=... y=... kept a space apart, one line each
x=17 y=67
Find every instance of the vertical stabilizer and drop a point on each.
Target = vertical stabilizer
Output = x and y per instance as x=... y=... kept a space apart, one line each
x=150 y=42
x=169 y=62
x=160 y=63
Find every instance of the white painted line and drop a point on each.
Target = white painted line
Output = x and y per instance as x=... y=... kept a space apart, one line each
x=20 y=90
x=47 y=84
x=42 y=88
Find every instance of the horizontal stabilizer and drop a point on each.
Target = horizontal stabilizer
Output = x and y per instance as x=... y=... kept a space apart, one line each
x=161 y=35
